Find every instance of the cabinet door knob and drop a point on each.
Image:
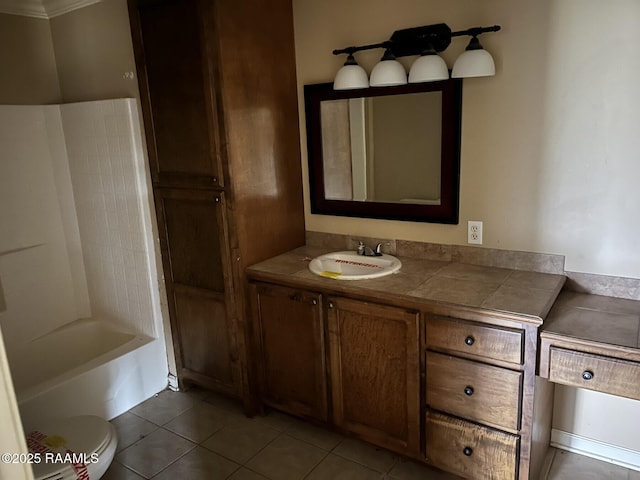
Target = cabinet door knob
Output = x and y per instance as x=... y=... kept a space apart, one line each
x=314 y=302
x=330 y=304
x=468 y=391
x=469 y=340
x=468 y=451
x=587 y=375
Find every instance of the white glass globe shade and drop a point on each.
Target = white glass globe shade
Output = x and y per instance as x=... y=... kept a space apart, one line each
x=474 y=63
x=428 y=68
x=387 y=73
x=350 y=77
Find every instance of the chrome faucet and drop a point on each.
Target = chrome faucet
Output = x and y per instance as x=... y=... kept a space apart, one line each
x=368 y=252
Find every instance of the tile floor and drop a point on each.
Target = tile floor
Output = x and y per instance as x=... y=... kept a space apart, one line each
x=197 y=435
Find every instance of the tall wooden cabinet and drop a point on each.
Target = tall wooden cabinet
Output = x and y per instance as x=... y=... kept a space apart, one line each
x=219 y=102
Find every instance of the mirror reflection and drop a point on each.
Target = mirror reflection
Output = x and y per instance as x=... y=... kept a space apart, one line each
x=383 y=149
x=385 y=152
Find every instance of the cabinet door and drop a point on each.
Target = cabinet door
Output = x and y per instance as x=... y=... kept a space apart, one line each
x=290 y=338
x=195 y=258
x=375 y=372
x=174 y=61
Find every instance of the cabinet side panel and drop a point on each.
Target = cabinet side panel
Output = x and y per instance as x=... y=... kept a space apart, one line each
x=259 y=98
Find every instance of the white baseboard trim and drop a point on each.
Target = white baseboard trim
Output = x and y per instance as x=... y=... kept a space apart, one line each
x=595 y=449
x=173 y=383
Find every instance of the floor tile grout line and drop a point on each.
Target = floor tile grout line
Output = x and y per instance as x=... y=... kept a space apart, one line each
x=139 y=416
x=266 y=445
x=167 y=466
x=317 y=465
x=242 y=464
x=191 y=440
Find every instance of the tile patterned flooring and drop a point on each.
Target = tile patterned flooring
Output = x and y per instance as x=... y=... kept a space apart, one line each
x=197 y=435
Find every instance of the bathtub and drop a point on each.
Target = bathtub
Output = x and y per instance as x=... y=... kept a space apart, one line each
x=86 y=367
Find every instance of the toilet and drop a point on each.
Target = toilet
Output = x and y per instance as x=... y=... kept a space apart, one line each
x=74 y=448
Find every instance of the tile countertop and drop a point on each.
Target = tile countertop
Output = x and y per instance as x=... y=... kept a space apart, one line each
x=529 y=295
x=596 y=319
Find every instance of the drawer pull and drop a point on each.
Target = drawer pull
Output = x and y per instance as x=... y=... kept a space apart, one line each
x=469 y=340
x=468 y=451
x=587 y=375
x=468 y=391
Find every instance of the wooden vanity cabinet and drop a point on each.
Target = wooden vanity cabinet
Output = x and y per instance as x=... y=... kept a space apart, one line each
x=365 y=354
x=482 y=397
x=375 y=372
x=452 y=387
x=474 y=381
x=290 y=347
x=218 y=95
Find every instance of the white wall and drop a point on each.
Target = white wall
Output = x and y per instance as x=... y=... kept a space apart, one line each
x=549 y=145
x=589 y=194
x=42 y=276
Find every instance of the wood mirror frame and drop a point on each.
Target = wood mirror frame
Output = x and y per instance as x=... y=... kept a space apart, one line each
x=446 y=211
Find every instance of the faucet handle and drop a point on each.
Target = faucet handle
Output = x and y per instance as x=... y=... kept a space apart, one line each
x=361 y=248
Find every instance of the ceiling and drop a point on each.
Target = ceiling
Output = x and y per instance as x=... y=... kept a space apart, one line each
x=42 y=8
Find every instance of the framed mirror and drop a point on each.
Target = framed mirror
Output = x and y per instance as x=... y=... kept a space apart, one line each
x=386 y=152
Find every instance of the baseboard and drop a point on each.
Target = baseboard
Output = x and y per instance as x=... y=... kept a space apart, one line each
x=173 y=383
x=595 y=449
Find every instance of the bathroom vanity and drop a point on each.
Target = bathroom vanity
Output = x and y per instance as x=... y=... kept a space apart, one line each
x=448 y=363
x=436 y=362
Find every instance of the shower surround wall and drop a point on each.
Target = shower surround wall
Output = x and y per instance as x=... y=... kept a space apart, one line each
x=41 y=269
x=108 y=176
x=76 y=236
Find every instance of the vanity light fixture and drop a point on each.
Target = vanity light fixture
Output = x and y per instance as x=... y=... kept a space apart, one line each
x=425 y=41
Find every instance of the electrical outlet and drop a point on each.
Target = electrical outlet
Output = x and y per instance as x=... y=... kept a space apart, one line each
x=474 y=232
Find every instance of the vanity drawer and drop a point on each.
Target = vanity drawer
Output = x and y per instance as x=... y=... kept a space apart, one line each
x=474 y=390
x=477 y=339
x=469 y=450
x=595 y=372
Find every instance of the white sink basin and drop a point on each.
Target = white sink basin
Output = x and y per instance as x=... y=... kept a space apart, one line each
x=351 y=266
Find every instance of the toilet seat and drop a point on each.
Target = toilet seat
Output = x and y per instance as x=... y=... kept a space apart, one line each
x=60 y=439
